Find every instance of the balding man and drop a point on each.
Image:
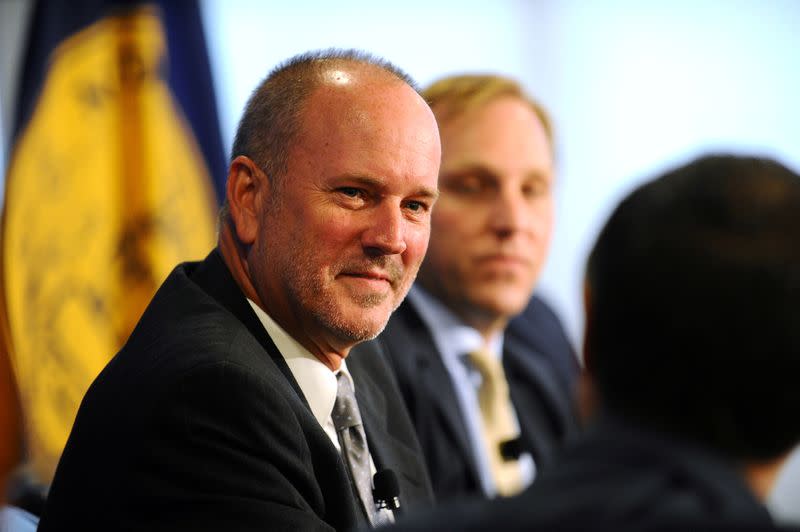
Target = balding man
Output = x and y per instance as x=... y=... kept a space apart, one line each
x=234 y=405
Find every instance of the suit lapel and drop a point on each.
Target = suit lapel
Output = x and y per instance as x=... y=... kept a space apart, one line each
x=435 y=378
x=412 y=344
x=386 y=435
x=213 y=276
x=542 y=408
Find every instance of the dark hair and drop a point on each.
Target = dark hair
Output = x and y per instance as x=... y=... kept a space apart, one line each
x=271 y=118
x=694 y=308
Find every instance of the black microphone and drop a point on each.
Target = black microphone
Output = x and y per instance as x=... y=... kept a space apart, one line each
x=511 y=449
x=387 y=491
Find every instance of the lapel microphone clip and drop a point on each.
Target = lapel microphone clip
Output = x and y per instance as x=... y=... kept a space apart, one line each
x=387 y=491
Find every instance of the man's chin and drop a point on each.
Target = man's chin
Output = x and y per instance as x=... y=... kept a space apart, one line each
x=365 y=324
x=502 y=305
x=353 y=335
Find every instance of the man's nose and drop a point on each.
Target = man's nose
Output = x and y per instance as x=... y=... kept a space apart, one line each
x=510 y=212
x=385 y=234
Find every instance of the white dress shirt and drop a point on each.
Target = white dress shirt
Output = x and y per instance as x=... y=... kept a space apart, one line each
x=316 y=381
x=454 y=340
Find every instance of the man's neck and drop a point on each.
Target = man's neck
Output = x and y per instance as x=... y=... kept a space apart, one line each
x=233 y=256
x=487 y=324
x=232 y=253
x=437 y=314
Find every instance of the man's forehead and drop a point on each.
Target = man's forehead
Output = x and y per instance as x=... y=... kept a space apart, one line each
x=350 y=99
x=346 y=74
x=344 y=121
x=342 y=94
x=447 y=112
x=506 y=127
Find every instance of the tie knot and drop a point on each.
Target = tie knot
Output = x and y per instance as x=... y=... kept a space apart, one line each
x=487 y=364
x=345 y=412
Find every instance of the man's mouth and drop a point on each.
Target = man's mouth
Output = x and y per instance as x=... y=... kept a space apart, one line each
x=508 y=259
x=388 y=272
x=369 y=275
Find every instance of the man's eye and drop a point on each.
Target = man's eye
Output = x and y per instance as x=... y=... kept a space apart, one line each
x=535 y=189
x=469 y=185
x=350 y=192
x=416 y=206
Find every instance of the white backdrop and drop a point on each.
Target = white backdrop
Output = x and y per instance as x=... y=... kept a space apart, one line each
x=633 y=87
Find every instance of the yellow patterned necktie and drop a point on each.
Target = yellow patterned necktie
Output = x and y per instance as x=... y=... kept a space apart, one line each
x=497 y=421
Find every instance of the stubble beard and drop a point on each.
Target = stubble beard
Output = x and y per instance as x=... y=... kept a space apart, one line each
x=310 y=289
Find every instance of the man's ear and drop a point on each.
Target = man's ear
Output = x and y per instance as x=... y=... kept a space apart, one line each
x=585 y=392
x=246 y=193
x=587 y=326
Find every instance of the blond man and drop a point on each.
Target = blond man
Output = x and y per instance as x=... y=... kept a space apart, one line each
x=488 y=403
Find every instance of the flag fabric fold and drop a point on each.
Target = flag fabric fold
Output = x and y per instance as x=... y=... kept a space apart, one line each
x=110 y=185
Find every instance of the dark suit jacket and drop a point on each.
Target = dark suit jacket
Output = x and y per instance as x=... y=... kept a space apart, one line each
x=198 y=424
x=539 y=328
x=542 y=399
x=618 y=477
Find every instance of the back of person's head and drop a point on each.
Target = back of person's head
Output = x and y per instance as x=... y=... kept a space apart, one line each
x=454 y=96
x=693 y=312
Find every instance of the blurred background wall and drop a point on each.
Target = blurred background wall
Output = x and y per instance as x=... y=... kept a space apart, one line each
x=633 y=87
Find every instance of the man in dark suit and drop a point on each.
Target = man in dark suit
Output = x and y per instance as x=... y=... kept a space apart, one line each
x=693 y=349
x=231 y=406
x=490 y=402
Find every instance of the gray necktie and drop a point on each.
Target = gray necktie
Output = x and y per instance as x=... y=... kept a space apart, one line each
x=349 y=428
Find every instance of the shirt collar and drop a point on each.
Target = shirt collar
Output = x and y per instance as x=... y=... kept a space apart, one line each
x=316 y=380
x=452 y=337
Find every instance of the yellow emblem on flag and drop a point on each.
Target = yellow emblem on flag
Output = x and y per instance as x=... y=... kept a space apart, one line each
x=106 y=193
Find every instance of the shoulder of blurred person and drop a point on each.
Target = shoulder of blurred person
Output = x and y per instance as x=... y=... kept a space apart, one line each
x=539 y=327
x=691 y=344
x=617 y=477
